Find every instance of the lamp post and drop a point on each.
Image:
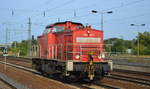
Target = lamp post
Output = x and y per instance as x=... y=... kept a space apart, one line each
x=138 y=39
x=123 y=51
x=102 y=17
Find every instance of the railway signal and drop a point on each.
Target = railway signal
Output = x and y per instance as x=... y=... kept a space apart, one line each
x=5 y=52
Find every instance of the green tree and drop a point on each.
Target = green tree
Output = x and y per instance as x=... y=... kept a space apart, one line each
x=21 y=47
x=117 y=45
x=144 y=42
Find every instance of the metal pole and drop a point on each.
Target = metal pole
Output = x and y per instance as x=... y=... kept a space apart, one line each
x=138 y=38
x=29 y=37
x=5 y=63
x=58 y=19
x=6 y=47
x=15 y=49
x=102 y=21
x=138 y=41
x=6 y=36
x=122 y=44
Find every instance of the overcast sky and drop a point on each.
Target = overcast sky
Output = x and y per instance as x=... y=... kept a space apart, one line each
x=14 y=15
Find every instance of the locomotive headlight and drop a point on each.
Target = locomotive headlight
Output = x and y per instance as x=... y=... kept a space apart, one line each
x=99 y=57
x=77 y=56
x=102 y=55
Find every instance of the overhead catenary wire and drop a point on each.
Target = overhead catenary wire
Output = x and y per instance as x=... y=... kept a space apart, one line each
x=70 y=1
x=51 y=9
x=81 y=16
x=125 y=18
x=75 y=11
x=67 y=3
x=124 y=5
x=112 y=8
x=27 y=10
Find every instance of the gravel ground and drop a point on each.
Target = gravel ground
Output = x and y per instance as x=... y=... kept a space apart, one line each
x=3 y=85
x=31 y=80
x=122 y=84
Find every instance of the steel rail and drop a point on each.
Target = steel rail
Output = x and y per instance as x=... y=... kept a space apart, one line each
x=130 y=79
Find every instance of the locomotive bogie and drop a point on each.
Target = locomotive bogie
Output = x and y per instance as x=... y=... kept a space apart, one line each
x=71 y=68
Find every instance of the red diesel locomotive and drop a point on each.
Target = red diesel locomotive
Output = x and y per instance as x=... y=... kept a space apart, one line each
x=72 y=50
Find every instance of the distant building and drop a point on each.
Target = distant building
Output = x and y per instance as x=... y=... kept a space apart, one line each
x=129 y=51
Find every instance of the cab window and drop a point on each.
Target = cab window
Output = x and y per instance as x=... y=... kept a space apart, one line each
x=46 y=31
x=58 y=29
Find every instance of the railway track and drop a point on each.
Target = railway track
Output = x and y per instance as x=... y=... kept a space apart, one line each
x=80 y=85
x=25 y=62
x=86 y=84
x=130 y=79
x=5 y=85
x=98 y=85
